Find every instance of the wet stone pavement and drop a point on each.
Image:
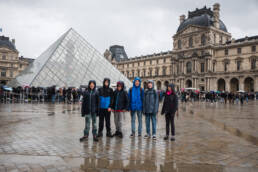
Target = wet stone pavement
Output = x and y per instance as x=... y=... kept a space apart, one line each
x=209 y=137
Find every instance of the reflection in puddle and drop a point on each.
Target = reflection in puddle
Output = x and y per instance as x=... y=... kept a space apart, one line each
x=234 y=131
x=101 y=164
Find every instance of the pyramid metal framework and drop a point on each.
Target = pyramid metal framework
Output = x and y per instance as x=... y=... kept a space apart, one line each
x=70 y=61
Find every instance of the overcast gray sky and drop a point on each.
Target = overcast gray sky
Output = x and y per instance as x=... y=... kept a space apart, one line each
x=142 y=26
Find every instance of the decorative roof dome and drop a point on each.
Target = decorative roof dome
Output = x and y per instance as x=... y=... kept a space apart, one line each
x=5 y=42
x=201 y=17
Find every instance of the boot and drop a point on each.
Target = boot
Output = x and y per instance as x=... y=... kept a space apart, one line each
x=109 y=134
x=116 y=134
x=166 y=138
x=83 y=138
x=120 y=135
x=95 y=139
x=100 y=135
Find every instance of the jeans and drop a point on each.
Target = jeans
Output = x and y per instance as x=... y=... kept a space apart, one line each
x=139 y=115
x=88 y=119
x=53 y=98
x=237 y=100
x=152 y=117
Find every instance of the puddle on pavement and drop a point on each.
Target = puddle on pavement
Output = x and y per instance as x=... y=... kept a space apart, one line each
x=234 y=131
x=88 y=164
x=101 y=164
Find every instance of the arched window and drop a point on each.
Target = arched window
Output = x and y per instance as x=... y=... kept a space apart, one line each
x=190 y=42
x=179 y=44
x=188 y=67
x=203 y=39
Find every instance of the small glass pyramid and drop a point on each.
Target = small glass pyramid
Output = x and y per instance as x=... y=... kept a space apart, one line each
x=71 y=61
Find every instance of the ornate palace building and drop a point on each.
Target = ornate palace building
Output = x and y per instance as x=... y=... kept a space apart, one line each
x=10 y=62
x=204 y=56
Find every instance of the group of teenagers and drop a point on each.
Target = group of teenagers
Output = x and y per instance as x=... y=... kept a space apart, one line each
x=101 y=102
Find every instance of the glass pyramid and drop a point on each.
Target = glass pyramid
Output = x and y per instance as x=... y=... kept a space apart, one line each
x=71 y=61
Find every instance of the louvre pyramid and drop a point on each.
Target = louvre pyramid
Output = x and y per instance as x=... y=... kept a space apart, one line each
x=70 y=61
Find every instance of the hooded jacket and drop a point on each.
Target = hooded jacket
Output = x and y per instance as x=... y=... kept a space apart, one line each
x=170 y=104
x=135 y=96
x=105 y=95
x=121 y=101
x=151 y=100
x=90 y=100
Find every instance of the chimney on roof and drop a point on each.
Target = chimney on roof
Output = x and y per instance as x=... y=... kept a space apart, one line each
x=216 y=9
x=13 y=41
x=182 y=18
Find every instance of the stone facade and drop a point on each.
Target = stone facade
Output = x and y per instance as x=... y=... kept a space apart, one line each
x=10 y=62
x=204 y=56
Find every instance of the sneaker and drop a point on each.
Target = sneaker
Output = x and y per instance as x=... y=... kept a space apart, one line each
x=147 y=136
x=83 y=138
x=132 y=135
x=154 y=137
x=173 y=138
x=95 y=139
x=100 y=135
x=139 y=135
x=165 y=138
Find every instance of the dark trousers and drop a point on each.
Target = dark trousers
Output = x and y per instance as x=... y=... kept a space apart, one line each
x=170 y=122
x=104 y=115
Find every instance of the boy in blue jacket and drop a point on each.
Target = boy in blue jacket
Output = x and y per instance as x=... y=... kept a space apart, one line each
x=135 y=95
x=106 y=99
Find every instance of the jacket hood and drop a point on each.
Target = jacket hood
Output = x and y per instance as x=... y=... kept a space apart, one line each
x=106 y=79
x=150 y=81
x=121 y=83
x=173 y=88
x=135 y=79
x=94 y=82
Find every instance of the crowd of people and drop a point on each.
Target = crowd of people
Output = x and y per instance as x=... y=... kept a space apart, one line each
x=222 y=97
x=40 y=94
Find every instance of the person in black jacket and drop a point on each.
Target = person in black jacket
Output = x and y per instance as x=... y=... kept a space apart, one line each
x=119 y=105
x=170 y=108
x=89 y=110
x=106 y=99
